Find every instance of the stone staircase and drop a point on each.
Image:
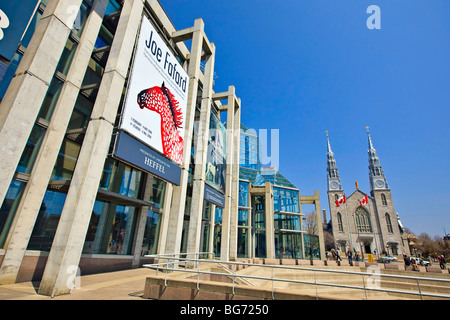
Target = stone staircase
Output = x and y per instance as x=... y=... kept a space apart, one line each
x=335 y=284
x=296 y=281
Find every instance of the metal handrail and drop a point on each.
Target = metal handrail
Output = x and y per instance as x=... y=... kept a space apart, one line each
x=234 y=273
x=315 y=283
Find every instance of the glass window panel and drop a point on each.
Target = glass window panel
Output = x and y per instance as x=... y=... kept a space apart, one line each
x=260 y=220
x=312 y=247
x=31 y=149
x=205 y=236
x=288 y=245
x=111 y=230
x=112 y=7
x=67 y=56
x=158 y=192
x=242 y=250
x=122 y=179
x=109 y=169
x=94 y=73
x=66 y=161
x=243 y=194
x=81 y=18
x=218 y=215
x=207 y=212
x=217 y=240
x=81 y=113
x=50 y=99
x=9 y=207
x=151 y=234
x=260 y=244
x=47 y=221
x=243 y=218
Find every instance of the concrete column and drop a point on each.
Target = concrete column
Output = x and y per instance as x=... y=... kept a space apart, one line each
x=236 y=131
x=270 y=230
x=26 y=92
x=315 y=199
x=165 y=219
x=227 y=210
x=319 y=225
x=175 y=223
x=28 y=209
x=69 y=238
x=212 y=222
x=195 y=222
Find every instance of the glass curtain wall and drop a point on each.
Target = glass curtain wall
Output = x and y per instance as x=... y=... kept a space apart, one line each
x=25 y=165
x=119 y=219
x=248 y=154
x=287 y=224
x=244 y=227
x=111 y=229
x=206 y=227
x=217 y=231
x=259 y=227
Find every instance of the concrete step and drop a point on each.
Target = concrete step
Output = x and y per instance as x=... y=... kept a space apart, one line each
x=426 y=286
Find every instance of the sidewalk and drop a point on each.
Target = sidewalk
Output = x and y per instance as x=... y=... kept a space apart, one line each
x=119 y=285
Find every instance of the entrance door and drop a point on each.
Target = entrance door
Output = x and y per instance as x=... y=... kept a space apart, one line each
x=259 y=227
x=367 y=248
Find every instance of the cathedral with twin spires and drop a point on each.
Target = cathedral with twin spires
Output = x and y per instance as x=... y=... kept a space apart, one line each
x=366 y=223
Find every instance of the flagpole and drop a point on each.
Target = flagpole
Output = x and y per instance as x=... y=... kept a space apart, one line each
x=373 y=227
x=349 y=228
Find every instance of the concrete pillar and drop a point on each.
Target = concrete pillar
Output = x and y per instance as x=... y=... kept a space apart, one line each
x=234 y=166
x=227 y=210
x=165 y=219
x=200 y=158
x=212 y=222
x=29 y=206
x=175 y=223
x=270 y=229
x=26 y=92
x=319 y=225
x=71 y=232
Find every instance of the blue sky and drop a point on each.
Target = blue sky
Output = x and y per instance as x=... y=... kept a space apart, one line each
x=307 y=66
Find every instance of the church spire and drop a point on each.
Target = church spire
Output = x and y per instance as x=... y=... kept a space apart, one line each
x=334 y=181
x=376 y=174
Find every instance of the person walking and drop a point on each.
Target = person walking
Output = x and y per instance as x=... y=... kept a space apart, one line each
x=442 y=262
x=349 y=255
x=407 y=260
x=415 y=267
x=338 y=255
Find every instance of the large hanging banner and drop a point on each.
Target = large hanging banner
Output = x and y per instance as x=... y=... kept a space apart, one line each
x=139 y=155
x=216 y=162
x=156 y=102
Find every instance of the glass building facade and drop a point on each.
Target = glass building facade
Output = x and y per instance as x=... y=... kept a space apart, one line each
x=70 y=198
x=67 y=189
x=258 y=218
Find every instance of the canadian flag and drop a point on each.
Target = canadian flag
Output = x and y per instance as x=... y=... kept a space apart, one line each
x=363 y=201
x=341 y=200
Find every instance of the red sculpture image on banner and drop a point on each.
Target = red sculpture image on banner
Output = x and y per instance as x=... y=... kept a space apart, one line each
x=162 y=101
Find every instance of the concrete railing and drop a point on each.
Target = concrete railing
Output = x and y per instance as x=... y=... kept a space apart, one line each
x=371 y=280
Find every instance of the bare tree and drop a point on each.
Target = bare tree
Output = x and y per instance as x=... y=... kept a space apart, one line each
x=328 y=239
x=310 y=225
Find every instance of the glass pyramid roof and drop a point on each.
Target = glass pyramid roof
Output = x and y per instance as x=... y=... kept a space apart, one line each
x=259 y=178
